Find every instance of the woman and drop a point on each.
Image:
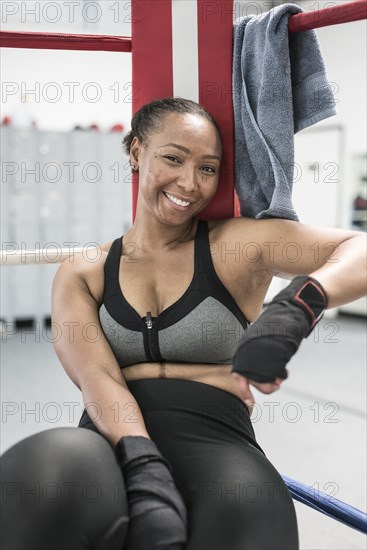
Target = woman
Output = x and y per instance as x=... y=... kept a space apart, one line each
x=149 y=334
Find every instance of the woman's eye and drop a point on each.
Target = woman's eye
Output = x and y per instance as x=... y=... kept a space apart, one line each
x=170 y=157
x=209 y=169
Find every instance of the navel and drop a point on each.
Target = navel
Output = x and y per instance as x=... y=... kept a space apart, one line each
x=162 y=370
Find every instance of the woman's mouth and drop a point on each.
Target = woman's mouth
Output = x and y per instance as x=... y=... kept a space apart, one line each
x=177 y=204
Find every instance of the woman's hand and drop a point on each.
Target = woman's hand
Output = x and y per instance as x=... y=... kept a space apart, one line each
x=244 y=392
x=158 y=515
x=268 y=387
x=243 y=386
x=270 y=342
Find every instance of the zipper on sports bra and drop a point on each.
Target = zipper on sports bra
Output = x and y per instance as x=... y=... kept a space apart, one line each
x=149 y=322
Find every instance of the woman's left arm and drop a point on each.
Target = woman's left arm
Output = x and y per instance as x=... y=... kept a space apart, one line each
x=335 y=257
x=332 y=257
x=345 y=278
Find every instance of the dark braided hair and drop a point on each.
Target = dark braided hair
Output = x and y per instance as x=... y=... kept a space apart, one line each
x=150 y=117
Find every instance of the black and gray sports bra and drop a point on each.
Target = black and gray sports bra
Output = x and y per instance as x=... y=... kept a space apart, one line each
x=205 y=325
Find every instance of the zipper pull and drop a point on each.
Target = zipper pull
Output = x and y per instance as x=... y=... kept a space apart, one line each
x=149 y=320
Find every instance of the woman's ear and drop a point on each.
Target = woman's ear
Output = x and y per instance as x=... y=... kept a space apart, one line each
x=135 y=154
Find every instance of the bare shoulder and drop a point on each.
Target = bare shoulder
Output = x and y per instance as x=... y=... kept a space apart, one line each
x=249 y=237
x=88 y=268
x=247 y=230
x=244 y=237
x=228 y=228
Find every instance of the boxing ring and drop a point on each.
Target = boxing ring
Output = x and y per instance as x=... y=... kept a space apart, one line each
x=160 y=69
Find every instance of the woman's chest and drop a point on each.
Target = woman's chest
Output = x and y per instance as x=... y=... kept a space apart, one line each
x=157 y=284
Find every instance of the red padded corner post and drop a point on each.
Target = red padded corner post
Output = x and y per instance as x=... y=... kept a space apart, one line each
x=152 y=73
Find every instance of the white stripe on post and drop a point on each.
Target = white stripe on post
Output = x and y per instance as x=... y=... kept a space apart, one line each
x=185 y=49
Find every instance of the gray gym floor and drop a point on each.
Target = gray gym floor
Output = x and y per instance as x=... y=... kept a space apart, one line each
x=313 y=429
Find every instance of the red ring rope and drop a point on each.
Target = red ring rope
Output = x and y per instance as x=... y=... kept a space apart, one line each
x=60 y=41
x=345 y=13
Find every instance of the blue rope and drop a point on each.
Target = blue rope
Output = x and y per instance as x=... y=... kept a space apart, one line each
x=328 y=505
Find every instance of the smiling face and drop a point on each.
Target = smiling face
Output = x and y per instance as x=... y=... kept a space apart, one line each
x=181 y=159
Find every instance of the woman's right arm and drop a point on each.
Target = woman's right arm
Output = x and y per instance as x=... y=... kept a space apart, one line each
x=87 y=357
x=157 y=512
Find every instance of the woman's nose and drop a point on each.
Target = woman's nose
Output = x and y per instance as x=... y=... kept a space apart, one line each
x=189 y=181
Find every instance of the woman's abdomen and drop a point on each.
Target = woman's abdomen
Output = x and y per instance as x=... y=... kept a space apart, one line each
x=218 y=376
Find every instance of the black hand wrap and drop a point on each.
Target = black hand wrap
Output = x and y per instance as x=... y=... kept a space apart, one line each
x=270 y=342
x=158 y=519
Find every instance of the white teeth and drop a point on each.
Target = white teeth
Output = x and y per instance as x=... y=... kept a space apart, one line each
x=177 y=201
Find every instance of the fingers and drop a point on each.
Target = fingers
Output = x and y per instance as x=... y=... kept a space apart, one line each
x=267 y=387
x=243 y=387
x=244 y=392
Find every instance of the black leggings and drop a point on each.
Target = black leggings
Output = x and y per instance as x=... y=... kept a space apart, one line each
x=63 y=490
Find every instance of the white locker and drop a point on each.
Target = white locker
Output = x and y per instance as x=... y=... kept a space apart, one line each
x=5 y=278
x=22 y=196
x=84 y=186
x=52 y=208
x=116 y=186
x=78 y=194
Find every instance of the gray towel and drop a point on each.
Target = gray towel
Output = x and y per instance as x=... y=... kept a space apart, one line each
x=279 y=88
